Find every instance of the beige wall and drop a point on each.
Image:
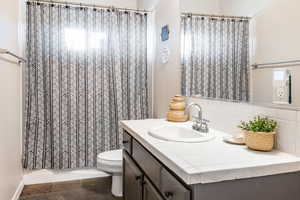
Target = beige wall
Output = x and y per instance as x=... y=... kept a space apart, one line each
x=242 y=7
x=277 y=39
x=222 y=7
x=166 y=77
x=10 y=103
x=200 y=6
x=147 y=4
x=277 y=31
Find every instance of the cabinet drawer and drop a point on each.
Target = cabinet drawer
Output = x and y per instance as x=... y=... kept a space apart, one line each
x=171 y=188
x=127 y=142
x=147 y=162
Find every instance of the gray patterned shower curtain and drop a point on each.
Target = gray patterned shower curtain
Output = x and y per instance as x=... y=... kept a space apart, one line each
x=86 y=70
x=215 y=57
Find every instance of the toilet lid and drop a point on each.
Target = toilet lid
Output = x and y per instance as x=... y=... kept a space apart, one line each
x=115 y=155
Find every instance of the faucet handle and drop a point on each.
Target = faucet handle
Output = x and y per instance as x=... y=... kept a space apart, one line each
x=204 y=125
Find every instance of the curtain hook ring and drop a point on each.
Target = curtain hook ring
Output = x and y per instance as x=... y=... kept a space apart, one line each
x=67 y=6
x=52 y=3
x=81 y=7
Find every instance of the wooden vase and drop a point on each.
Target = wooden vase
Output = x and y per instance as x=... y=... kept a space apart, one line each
x=177 y=110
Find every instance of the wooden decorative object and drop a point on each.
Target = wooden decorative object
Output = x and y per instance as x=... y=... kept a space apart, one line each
x=177 y=108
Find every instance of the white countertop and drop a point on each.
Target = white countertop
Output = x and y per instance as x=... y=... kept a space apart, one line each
x=212 y=161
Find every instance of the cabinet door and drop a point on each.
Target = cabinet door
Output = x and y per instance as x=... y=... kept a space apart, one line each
x=150 y=192
x=147 y=162
x=132 y=180
x=172 y=189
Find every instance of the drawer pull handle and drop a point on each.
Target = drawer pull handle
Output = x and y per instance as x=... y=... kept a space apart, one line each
x=169 y=195
x=138 y=178
x=125 y=142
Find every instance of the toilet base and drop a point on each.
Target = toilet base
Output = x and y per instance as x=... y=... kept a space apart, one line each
x=117 y=185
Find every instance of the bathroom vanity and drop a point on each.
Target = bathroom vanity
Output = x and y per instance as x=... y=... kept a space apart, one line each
x=213 y=170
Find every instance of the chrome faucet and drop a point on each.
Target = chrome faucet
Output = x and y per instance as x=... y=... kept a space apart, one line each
x=199 y=124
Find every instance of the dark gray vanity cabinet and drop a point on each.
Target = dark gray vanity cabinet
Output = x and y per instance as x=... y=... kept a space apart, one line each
x=133 y=180
x=149 y=192
x=127 y=140
x=147 y=162
x=145 y=178
x=172 y=188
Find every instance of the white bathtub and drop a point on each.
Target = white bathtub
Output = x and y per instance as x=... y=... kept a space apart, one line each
x=51 y=176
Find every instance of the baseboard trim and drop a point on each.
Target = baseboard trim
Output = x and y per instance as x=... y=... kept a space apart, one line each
x=18 y=191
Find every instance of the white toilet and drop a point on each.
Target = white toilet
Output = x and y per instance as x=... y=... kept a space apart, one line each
x=111 y=162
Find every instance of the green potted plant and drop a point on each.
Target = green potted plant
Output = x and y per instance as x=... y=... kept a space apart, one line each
x=259 y=133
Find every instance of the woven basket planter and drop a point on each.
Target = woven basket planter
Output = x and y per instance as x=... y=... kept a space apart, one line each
x=260 y=141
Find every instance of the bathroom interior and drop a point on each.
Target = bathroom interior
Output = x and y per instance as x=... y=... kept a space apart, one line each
x=149 y=100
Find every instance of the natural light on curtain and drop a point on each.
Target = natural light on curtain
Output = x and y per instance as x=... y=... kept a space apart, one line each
x=215 y=57
x=79 y=39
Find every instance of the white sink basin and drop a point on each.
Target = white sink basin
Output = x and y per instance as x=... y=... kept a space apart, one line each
x=180 y=134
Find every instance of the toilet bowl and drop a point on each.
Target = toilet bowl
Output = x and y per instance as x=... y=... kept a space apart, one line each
x=111 y=162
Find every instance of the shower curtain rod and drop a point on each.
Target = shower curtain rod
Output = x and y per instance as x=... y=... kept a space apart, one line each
x=216 y=16
x=86 y=5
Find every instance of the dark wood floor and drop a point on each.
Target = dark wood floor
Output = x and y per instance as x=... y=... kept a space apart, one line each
x=90 y=189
